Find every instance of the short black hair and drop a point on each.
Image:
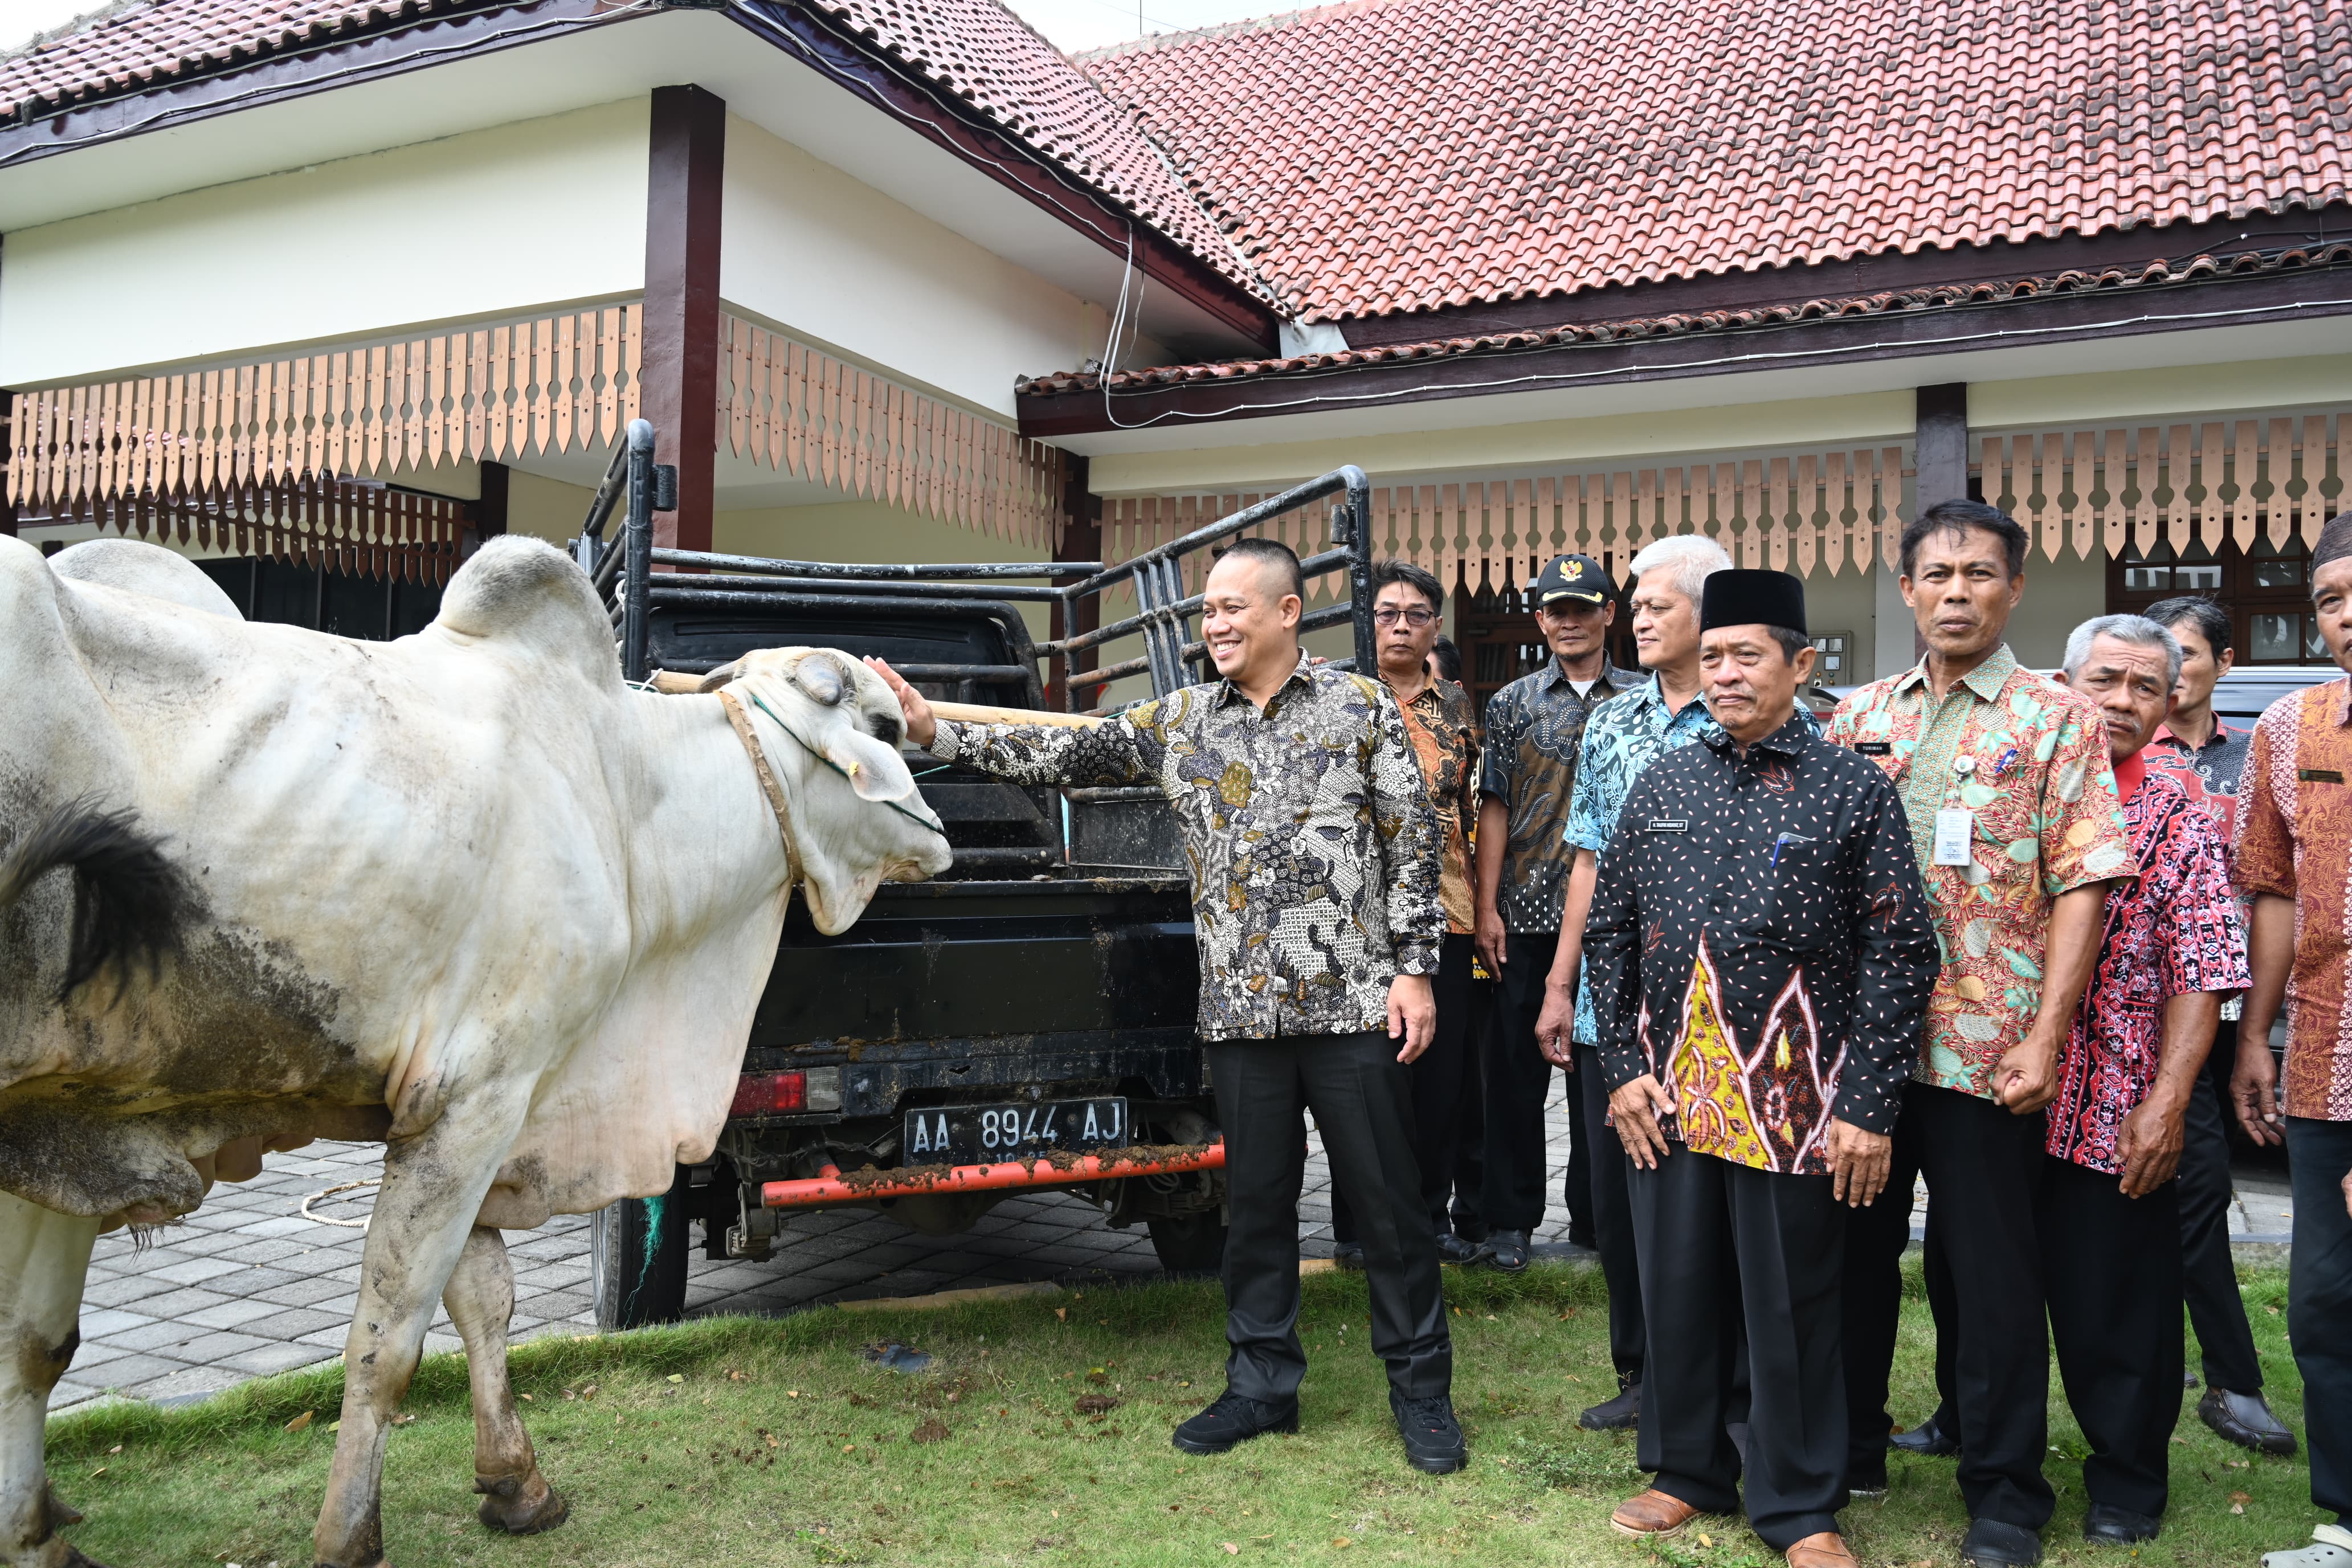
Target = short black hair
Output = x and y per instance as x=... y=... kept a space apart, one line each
x=1271 y=553
x=1420 y=580
x=1959 y=517
x=1448 y=657
x=2211 y=621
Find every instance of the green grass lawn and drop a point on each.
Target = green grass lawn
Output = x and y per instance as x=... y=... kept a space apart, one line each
x=1040 y=1435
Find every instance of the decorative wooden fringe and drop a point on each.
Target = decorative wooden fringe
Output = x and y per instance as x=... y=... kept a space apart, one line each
x=801 y=412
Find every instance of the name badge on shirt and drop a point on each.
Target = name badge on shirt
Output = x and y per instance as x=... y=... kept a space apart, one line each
x=1873 y=748
x=1954 y=828
x=1668 y=825
x=2319 y=775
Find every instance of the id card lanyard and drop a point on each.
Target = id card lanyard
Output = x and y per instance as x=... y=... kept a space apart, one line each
x=1954 y=824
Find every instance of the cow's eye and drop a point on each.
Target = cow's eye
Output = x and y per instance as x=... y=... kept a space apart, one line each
x=884 y=727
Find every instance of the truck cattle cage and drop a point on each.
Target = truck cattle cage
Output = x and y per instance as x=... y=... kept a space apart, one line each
x=1025 y=1021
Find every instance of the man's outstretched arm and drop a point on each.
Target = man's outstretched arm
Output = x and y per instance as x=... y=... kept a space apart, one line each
x=1124 y=749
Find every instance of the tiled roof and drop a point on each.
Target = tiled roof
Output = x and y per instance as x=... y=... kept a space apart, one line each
x=973 y=51
x=985 y=57
x=1400 y=155
x=2155 y=274
x=128 y=48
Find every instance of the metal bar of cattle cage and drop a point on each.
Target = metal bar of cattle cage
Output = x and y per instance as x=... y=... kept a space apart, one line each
x=869 y=572
x=589 y=547
x=639 y=542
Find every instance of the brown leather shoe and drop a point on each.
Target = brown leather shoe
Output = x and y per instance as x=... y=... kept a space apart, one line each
x=1653 y=1514
x=1827 y=1550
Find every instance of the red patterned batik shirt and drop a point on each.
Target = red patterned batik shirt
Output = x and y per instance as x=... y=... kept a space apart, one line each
x=2173 y=931
x=2294 y=839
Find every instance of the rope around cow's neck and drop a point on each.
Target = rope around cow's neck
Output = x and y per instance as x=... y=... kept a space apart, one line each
x=767 y=779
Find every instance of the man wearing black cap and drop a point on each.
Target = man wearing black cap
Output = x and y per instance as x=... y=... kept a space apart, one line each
x=1760 y=954
x=1533 y=727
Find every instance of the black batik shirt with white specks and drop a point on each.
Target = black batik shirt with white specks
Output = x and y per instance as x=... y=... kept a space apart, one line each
x=1760 y=941
x=1312 y=844
x=1533 y=727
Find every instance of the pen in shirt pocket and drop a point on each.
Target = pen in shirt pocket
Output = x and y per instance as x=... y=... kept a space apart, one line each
x=1784 y=841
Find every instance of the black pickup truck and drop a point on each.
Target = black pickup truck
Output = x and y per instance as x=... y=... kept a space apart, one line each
x=1025 y=1020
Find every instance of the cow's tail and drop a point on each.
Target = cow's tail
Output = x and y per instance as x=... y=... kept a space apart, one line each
x=130 y=903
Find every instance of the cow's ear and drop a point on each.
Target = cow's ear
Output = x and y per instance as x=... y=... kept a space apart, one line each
x=876 y=772
x=720 y=677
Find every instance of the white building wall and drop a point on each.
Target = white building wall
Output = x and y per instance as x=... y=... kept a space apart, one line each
x=494 y=221
x=836 y=263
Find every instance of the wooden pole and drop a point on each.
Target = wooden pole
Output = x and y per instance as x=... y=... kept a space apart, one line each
x=679 y=390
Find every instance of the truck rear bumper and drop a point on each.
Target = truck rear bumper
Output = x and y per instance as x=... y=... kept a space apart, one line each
x=832 y=1187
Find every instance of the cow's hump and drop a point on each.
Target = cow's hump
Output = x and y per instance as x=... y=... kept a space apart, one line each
x=136 y=566
x=526 y=593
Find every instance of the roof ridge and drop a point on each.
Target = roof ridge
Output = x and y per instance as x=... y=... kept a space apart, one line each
x=1274 y=22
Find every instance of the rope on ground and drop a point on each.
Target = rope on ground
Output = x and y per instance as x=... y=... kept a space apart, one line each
x=359 y=1223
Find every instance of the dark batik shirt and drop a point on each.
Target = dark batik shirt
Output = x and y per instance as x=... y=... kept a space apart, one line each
x=2173 y=931
x=1313 y=849
x=1761 y=942
x=1533 y=727
x=2209 y=773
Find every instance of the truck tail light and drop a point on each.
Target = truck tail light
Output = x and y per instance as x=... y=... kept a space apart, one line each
x=769 y=1093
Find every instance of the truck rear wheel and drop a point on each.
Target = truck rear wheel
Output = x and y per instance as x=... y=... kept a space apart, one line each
x=637 y=1264
x=1191 y=1244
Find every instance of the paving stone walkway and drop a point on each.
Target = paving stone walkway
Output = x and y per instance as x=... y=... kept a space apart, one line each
x=249 y=1285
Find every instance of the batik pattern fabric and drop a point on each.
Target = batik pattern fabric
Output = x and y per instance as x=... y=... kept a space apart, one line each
x=2029 y=761
x=1440 y=723
x=1312 y=846
x=1533 y=727
x=1760 y=942
x=2172 y=931
x=2209 y=773
x=1624 y=736
x=2294 y=839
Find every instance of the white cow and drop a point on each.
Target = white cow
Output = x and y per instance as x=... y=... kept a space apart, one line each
x=465 y=892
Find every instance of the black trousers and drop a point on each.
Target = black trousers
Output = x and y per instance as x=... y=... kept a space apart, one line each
x=1363 y=1099
x=1612 y=1223
x=2112 y=1268
x=1719 y=1241
x=2319 y=1304
x=1444 y=1077
x=1984 y=1170
x=2209 y=1274
x=1518 y=1080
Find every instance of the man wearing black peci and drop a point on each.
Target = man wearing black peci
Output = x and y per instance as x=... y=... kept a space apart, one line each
x=1314 y=861
x=1761 y=954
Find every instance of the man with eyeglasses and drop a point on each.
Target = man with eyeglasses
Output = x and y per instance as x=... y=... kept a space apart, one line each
x=1437 y=721
x=1533 y=727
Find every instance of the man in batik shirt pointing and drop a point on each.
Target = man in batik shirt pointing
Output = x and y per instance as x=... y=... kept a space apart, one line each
x=1761 y=954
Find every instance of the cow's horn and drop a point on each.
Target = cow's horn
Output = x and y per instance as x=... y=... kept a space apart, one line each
x=821 y=677
x=720 y=677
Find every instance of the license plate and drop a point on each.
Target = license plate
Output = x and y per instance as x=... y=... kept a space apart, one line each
x=972 y=1134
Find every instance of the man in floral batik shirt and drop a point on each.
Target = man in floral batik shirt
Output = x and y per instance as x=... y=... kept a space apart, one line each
x=1315 y=866
x=2110 y=1215
x=2011 y=802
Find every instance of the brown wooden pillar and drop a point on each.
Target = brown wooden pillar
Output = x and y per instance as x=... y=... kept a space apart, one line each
x=680 y=357
x=1081 y=541
x=1942 y=435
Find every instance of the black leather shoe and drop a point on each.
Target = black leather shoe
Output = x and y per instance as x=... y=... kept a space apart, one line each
x=1993 y=1544
x=1622 y=1413
x=2108 y=1526
x=1349 y=1255
x=1452 y=1248
x=1864 y=1481
x=1233 y=1418
x=1927 y=1439
x=2188 y=1380
x=1507 y=1250
x=2246 y=1420
x=1432 y=1439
